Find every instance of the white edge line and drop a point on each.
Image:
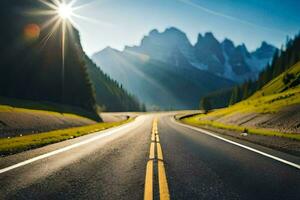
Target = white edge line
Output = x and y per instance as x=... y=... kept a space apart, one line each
x=237 y=144
x=64 y=149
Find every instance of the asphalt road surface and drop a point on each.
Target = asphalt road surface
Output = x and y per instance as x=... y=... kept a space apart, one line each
x=153 y=157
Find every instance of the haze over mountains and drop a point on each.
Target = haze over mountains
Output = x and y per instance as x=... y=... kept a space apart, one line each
x=167 y=71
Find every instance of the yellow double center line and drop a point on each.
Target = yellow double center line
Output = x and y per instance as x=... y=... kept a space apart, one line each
x=162 y=178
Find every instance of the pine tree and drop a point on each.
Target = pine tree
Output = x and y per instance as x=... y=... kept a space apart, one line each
x=234 y=95
x=205 y=104
x=245 y=89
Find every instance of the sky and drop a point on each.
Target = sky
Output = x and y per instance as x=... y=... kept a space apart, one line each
x=117 y=23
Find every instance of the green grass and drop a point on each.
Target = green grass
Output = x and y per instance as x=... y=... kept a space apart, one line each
x=277 y=85
x=18 y=144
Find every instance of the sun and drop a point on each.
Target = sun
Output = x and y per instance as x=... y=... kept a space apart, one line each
x=64 y=11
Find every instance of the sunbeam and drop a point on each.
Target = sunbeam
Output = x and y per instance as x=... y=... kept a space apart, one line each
x=50 y=22
x=52 y=31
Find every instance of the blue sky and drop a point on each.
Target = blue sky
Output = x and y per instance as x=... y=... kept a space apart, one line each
x=117 y=23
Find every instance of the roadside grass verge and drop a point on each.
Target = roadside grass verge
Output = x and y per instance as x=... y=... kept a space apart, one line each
x=196 y=121
x=18 y=144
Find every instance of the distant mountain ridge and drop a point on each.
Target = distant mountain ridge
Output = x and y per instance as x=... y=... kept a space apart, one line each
x=167 y=72
x=220 y=58
x=161 y=85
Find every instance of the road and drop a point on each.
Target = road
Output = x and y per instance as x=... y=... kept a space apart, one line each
x=145 y=159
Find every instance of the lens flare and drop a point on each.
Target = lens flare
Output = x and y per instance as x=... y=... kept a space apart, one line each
x=31 y=32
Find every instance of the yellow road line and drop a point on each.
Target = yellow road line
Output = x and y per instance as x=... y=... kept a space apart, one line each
x=154 y=130
x=162 y=178
x=153 y=138
x=163 y=183
x=151 y=155
x=157 y=138
x=148 y=193
x=159 y=152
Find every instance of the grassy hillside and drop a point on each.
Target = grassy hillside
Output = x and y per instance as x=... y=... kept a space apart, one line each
x=269 y=102
x=289 y=81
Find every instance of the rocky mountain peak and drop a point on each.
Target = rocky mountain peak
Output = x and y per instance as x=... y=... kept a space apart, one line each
x=174 y=30
x=242 y=49
x=228 y=43
x=170 y=36
x=228 y=47
x=265 y=51
x=207 y=39
x=153 y=32
x=224 y=59
x=209 y=35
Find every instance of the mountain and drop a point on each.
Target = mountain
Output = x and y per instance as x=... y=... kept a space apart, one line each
x=31 y=62
x=160 y=85
x=165 y=46
x=176 y=62
x=230 y=61
x=220 y=58
x=209 y=52
x=265 y=51
x=282 y=61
